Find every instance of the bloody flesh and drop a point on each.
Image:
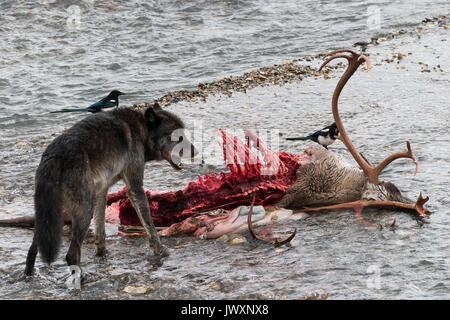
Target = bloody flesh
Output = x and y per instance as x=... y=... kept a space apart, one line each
x=248 y=177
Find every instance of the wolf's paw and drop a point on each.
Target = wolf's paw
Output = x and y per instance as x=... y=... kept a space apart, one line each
x=163 y=252
x=100 y=251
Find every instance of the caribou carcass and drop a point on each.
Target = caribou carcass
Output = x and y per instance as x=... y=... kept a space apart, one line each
x=316 y=180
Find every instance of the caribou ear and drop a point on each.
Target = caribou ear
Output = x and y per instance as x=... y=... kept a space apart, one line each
x=152 y=118
x=157 y=107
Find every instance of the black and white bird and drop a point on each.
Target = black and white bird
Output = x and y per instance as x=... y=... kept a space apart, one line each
x=324 y=137
x=111 y=100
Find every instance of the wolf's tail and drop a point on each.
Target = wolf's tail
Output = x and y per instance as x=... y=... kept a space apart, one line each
x=48 y=204
x=300 y=138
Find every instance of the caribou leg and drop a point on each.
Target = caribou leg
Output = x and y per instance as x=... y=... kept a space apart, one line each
x=359 y=205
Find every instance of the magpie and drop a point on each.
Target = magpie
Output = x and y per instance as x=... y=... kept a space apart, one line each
x=111 y=100
x=324 y=137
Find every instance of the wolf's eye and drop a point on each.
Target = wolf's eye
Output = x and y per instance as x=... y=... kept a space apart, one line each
x=180 y=139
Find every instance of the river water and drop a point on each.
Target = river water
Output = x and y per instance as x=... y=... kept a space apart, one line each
x=58 y=54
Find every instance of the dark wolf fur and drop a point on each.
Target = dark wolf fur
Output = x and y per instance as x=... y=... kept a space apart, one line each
x=78 y=167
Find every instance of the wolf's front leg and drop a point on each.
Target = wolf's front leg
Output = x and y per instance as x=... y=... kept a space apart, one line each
x=140 y=204
x=99 y=222
x=139 y=200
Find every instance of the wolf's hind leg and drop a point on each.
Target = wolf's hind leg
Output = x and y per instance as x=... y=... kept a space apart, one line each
x=81 y=218
x=31 y=257
x=99 y=222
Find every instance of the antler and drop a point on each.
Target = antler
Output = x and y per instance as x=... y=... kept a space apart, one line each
x=275 y=241
x=372 y=173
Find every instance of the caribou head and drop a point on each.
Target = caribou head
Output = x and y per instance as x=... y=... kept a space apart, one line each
x=330 y=180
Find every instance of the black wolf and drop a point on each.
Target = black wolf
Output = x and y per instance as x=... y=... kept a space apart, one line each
x=78 y=167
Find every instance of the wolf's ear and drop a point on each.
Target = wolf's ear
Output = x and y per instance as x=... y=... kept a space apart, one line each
x=157 y=107
x=152 y=118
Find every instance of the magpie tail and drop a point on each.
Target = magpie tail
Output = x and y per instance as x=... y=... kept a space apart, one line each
x=71 y=110
x=300 y=138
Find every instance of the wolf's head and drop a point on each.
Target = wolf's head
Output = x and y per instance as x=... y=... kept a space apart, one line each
x=167 y=139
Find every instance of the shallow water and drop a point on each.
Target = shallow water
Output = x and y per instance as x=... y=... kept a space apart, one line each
x=48 y=65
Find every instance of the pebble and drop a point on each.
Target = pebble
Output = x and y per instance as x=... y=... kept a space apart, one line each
x=237 y=240
x=216 y=286
x=224 y=237
x=316 y=296
x=135 y=290
x=21 y=144
x=107 y=269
